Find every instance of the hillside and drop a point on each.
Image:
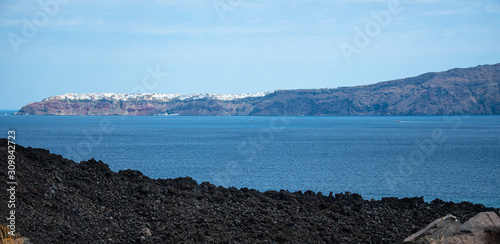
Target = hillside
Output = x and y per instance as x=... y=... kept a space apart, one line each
x=474 y=91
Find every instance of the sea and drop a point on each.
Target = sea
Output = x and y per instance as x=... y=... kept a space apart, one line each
x=453 y=158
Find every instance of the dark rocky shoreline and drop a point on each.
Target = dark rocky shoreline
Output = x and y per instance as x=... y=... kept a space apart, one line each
x=60 y=201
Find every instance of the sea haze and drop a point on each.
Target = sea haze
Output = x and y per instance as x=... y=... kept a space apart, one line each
x=453 y=158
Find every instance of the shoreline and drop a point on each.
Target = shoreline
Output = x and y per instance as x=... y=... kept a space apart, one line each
x=60 y=200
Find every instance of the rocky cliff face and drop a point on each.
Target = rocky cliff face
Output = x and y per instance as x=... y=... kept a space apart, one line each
x=453 y=92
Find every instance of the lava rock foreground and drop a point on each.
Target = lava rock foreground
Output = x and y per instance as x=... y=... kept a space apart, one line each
x=60 y=201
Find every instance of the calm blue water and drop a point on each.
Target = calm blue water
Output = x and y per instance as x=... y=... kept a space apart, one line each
x=452 y=158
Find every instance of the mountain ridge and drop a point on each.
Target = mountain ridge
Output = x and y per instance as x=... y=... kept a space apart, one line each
x=472 y=91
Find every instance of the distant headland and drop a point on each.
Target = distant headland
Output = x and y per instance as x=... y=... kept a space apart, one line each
x=471 y=91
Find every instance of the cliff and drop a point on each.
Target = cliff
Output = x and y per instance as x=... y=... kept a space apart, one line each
x=474 y=91
x=60 y=201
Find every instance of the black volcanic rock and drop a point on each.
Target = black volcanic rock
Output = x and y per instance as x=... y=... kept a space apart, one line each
x=60 y=201
x=473 y=91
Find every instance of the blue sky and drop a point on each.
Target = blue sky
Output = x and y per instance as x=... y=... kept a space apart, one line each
x=234 y=46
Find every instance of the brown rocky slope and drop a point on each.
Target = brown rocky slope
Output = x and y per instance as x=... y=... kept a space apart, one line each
x=60 y=201
x=473 y=91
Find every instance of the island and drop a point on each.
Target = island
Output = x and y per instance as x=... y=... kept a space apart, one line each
x=471 y=91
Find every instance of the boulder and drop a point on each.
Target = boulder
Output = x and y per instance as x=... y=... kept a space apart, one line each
x=484 y=228
x=436 y=231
